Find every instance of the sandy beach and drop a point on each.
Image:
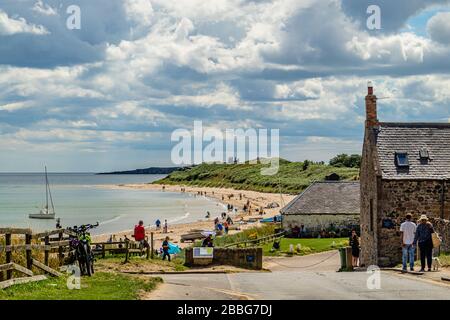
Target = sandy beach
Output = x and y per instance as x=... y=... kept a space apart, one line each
x=237 y=198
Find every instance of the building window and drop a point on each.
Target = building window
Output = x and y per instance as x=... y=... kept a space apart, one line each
x=424 y=154
x=401 y=159
x=371 y=215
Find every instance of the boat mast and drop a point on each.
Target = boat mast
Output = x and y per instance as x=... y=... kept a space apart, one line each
x=46 y=189
x=49 y=193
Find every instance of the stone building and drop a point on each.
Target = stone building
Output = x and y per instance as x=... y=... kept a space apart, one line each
x=405 y=169
x=323 y=206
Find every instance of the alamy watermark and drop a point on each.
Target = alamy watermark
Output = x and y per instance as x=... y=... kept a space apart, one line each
x=374 y=20
x=374 y=280
x=74 y=280
x=228 y=146
x=73 y=21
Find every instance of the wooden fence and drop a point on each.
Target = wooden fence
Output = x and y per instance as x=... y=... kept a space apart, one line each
x=53 y=242
x=257 y=241
x=49 y=245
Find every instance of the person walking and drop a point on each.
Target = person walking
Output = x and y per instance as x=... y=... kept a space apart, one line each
x=166 y=227
x=226 y=227
x=354 y=243
x=408 y=230
x=425 y=242
x=165 y=247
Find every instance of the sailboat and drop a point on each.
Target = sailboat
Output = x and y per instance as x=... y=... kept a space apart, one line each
x=45 y=212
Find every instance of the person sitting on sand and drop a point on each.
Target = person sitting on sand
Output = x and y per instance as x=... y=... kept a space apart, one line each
x=208 y=241
x=208 y=215
x=165 y=247
x=158 y=224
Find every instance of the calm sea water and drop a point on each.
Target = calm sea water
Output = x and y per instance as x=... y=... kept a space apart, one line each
x=81 y=198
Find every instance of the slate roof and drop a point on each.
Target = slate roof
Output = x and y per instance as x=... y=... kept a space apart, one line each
x=410 y=138
x=326 y=197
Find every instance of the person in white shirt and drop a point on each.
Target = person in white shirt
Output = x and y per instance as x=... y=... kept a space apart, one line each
x=408 y=230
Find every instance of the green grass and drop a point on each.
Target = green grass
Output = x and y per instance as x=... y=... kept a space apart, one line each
x=291 y=177
x=308 y=246
x=445 y=259
x=101 y=286
x=143 y=264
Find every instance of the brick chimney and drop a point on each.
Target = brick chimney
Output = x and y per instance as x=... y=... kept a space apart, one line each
x=371 y=107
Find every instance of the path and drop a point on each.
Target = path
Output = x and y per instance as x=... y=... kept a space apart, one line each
x=296 y=278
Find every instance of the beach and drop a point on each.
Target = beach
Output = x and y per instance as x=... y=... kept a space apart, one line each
x=223 y=196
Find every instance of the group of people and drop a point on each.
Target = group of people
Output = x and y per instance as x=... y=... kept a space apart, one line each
x=417 y=235
x=413 y=236
x=225 y=226
x=158 y=225
x=139 y=236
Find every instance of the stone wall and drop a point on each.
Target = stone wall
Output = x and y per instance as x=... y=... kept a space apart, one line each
x=250 y=258
x=318 y=222
x=369 y=183
x=442 y=227
x=399 y=197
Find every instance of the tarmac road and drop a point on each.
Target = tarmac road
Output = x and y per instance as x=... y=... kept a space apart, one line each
x=309 y=277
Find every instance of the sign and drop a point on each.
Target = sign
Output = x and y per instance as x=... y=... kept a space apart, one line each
x=203 y=252
x=250 y=258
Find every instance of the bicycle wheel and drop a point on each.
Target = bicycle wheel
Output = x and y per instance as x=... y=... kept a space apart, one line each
x=88 y=261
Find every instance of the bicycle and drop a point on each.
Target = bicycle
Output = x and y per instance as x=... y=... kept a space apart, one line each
x=81 y=243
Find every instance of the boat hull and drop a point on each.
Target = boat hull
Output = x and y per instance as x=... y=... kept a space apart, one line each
x=41 y=216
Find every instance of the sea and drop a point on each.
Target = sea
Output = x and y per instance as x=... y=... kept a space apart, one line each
x=82 y=198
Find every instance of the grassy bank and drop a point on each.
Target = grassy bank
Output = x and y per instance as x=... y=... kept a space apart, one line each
x=292 y=177
x=248 y=234
x=101 y=286
x=307 y=246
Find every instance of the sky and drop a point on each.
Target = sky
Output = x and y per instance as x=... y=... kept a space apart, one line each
x=109 y=95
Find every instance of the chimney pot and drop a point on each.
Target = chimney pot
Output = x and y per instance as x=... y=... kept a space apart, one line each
x=369 y=88
x=371 y=107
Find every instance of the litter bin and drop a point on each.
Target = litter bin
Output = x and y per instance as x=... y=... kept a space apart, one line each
x=343 y=255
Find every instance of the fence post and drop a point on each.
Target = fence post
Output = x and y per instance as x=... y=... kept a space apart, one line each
x=103 y=250
x=60 y=249
x=8 y=254
x=46 y=253
x=127 y=249
x=151 y=245
x=28 y=251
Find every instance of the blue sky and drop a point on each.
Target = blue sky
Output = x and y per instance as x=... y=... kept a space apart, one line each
x=108 y=96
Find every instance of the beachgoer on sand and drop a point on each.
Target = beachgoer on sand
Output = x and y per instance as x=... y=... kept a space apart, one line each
x=166 y=227
x=158 y=224
x=226 y=226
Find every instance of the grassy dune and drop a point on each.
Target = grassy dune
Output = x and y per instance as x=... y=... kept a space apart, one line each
x=292 y=177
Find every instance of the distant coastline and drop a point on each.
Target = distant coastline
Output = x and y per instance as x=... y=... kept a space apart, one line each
x=152 y=170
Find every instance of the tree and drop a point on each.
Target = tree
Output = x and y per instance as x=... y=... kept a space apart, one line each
x=344 y=160
x=305 y=165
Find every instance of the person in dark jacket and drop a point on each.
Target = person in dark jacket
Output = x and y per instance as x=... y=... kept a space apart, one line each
x=423 y=239
x=354 y=243
x=165 y=247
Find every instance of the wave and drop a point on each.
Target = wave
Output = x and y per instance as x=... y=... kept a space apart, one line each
x=110 y=220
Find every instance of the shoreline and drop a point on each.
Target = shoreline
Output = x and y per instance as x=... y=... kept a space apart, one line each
x=222 y=196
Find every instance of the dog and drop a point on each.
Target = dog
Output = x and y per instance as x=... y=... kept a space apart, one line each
x=436 y=264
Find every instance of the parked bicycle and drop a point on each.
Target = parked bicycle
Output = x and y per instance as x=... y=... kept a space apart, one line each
x=81 y=243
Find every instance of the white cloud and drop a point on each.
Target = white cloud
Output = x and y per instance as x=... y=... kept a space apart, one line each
x=139 y=11
x=44 y=9
x=10 y=26
x=438 y=27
